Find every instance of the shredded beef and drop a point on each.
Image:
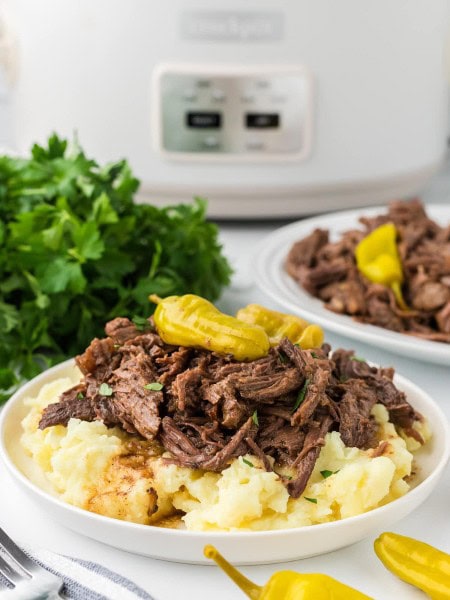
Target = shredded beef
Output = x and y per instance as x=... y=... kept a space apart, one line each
x=206 y=409
x=328 y=271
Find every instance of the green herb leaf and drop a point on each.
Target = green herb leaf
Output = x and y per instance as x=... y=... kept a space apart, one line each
x=325 y=473
x=80 y=395
x=313 y=500
x=247 y=462
x=301 y=395
x=141 y=323
x=155 y=386
x=314 y=355
x=105 y=390
x=255 y=418
x=76 y=251
x=282 y=357
x=358 y=359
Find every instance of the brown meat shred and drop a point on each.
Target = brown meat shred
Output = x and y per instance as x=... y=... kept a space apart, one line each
x=327 y=270
x=205 y=409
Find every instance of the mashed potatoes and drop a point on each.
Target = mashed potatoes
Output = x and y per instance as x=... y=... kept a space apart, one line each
x=109 y=472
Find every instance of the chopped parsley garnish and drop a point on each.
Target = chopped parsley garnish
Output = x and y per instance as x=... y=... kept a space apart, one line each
x=358 y=359
x=283 y=358
x=105 y=390
x=255 y=418
x=314 y=355
x=313 y=500
x=247 y=462
x=80 y=396
x=326 y=473
x=155 y=386
x=301 y=395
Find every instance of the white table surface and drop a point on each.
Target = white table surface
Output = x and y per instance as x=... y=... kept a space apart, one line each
x=357 y=565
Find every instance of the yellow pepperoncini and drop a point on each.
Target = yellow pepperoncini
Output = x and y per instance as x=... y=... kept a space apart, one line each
x=415 y=562
x=279 y=325
x=288 y=585
x=378 y=259
x=190 y=320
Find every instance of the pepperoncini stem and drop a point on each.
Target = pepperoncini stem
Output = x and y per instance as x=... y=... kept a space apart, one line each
x=278 y=325
x=378 y=259
x=416 y=563
x=288 y=585
x=190 y=320
x=252 y=590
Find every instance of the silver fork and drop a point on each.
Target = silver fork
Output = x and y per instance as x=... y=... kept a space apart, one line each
x=30 y=581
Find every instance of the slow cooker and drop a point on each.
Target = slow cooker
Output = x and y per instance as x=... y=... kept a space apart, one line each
x=266 y=107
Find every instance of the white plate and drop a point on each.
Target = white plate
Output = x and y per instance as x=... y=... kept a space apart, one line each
x=271 y=277
x=240 y=547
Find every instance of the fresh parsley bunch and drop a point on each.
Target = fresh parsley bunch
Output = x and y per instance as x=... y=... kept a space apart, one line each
x=76 y=251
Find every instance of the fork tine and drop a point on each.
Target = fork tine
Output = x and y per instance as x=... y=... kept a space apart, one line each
x=8 y=572
x=16 y=553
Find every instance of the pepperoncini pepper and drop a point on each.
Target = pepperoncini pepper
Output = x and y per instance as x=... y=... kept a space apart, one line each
x=378 y=259
x=190 y=320
x=278 y=325
x=288 y=585
x=415 y=562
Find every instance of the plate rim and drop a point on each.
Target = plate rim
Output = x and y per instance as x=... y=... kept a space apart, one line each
x=274 y=247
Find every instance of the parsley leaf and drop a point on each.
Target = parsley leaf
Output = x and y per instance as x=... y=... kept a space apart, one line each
x=247 y=462
x=105 y=390
x=282 y=357
x=313 y=500
x=301 y=395
x=255 y=418
x=76 y=251
x=326 y=473
x=141 y=323
x=155 y=386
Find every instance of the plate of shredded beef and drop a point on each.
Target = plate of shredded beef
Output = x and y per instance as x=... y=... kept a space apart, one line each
x=308 y=267
x=200 y=409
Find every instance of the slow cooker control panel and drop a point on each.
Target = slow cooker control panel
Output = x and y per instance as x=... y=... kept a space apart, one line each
x=222 y=112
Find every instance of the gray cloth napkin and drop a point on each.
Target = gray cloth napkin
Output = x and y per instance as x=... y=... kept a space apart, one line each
x=84 y=580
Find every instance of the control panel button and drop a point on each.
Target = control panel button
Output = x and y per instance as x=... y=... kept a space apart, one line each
x=218 y=95
x=262 y=120
x=189 y=95
x=204 y=120
x=211 y=142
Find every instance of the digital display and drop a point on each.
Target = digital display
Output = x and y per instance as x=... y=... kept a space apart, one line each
x=204 y=120
x=262 y=120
